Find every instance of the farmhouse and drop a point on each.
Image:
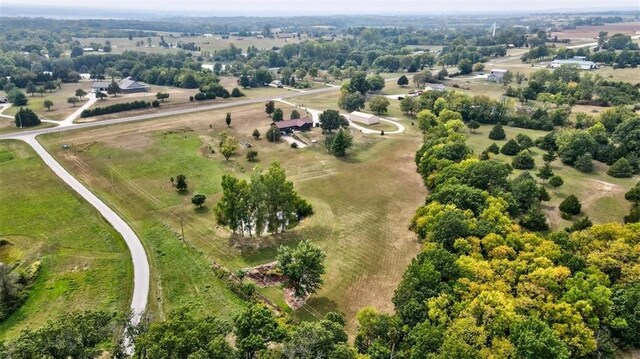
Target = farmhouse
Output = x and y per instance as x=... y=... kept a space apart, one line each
x=299 y=124
x=496 y=75
x=127 y=85
x=577 y=61
x=363 y=118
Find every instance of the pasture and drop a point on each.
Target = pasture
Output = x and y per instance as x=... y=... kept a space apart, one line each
x=83 y=263
x=360 y=220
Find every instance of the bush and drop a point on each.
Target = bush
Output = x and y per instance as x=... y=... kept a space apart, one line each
x=119 y=107
x=510 y=148
x=493 y=148
x=523 y=161
x=556 y=181
x=155 y=103
x=294 y=145
x=252 y=156
x=191 y=98
x=524 y=141
x=497 y=133
x=621 y=169
x=571 y=205
x=584 y=163
x=200 y=96
x=236 y=92
x=210 y=96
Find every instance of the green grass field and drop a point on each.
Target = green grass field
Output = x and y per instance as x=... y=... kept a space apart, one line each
x=85 y=264
x=360 y=220
x=602 y=196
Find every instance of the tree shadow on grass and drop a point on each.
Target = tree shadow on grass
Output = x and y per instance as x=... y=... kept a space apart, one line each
x=202 y=210
x=320 y=306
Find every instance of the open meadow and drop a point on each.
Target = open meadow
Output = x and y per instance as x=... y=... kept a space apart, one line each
x=360 y=220
x=602 y=196
x=80 y=261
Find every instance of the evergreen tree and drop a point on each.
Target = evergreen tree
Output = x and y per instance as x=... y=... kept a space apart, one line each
x=584 y=163
x=494 y=148
x=497 y=133
x=545 y=172
x=621 y=169
x=181 y=183
x=269 y=107
x=340 y=143
x=473 y=125
x=556 y=181
x=294 y=114
x=523 y=161
x=256 y=134
x=571 y=205
x=227 y=119
x=510 y=148
x=403 y=81
x=25 y=117
x=278 y=115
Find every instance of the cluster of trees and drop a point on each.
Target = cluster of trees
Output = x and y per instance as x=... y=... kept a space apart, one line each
x=267 y=203
x=573 y=88
x=118 y=107
x=485 y=287
x=352 y=93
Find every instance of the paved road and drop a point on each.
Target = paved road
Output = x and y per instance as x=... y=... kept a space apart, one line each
x=138 y=255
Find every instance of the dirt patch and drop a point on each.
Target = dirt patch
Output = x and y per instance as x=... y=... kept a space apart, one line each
x=268 y=275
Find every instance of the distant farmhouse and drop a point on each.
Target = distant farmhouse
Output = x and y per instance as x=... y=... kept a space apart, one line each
x=579 y=61
x=496 y=75
x=363 y=118
x=127 y=85
x=299 y=124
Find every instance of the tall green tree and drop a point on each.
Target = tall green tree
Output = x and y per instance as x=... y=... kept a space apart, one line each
x=277 y=115
x=303 y=267
x=269 y=107
x=379 y=105
x=340 y=143
x=255 y=328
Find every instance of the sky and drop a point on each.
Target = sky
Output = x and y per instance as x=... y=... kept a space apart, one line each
x=325 y=7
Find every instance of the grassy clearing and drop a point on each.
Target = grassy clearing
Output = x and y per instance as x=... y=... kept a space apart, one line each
x=360 y=220
x=602 y=196
x=61 y=109
x=85 y=264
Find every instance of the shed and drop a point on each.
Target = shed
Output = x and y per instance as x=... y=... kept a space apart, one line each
x=363 y=118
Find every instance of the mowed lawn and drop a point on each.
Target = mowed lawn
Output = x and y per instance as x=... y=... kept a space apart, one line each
x=84 y=263
x=363 y=205
x=602 y=196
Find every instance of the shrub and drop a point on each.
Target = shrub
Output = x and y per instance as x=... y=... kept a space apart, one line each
x=119 y=107
x=252 y=156
x=524 y=141
x=510 y=148
x=210 y=95
x=484 y=155
x=621 y=169
x=523 y=161
x=584 y=163
x=191 y=98
x=497 y=133
x=571 y=205
x=200 y=96
x=493 y=148
x=236 y=92
x=294 y=145
x=556 y=181
x=155 y=103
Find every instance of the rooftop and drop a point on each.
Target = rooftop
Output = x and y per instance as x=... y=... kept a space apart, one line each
x=362 y=114
x=299 y=122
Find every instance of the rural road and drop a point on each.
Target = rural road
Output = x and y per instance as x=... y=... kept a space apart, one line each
x=149 y=116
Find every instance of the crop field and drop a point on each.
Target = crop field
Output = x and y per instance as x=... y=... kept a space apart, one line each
x=591 y=32
x=602 y=196
x=83 y=263
x=360 y=220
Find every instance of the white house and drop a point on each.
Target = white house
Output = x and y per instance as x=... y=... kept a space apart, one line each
x=496 y=75
x=363 y=118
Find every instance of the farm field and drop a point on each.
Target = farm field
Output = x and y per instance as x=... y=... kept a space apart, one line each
x=591 y=32
x=602 y=196
x=83 y=263
x=360 y=220
x=207 y=44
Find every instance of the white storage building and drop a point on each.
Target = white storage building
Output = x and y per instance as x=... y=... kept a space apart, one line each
x=364 y=118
